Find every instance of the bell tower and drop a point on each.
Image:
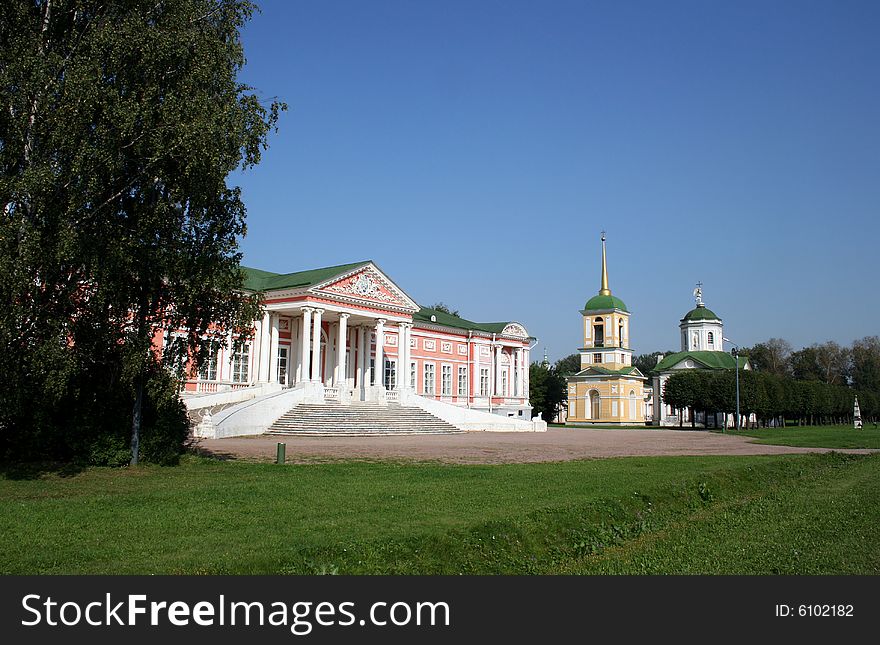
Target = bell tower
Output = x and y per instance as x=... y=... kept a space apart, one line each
x=606 y=327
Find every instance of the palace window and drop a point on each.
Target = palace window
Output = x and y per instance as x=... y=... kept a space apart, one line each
x=462 y=381
x=503 y=383
x=446 y=380
x=390 y=378
x=208 y=370
x=240 y=362
x=597 y=358
x=484 y=381
x=429 y=379
x=413 y=370
x=282 y=365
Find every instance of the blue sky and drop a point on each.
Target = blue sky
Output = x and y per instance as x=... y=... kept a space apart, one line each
x=476 y=150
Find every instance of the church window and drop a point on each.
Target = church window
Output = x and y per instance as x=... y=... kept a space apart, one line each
x=599 y=333
x=597 y=358
x=711 y=339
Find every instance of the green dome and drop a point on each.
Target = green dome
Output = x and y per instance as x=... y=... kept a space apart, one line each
x=598 y=303
x=701 y=313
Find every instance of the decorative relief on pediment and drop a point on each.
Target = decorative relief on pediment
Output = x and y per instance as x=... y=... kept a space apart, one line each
x=367 y=286
x=514 y=329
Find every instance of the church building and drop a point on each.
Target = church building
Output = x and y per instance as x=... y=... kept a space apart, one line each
x=702 y=347
x=607 y=390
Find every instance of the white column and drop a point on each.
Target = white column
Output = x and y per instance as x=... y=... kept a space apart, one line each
x=402 y=359
x=295 y=347
x=306 y=344
x=352 y=345
x=273 y=350
x=379 y=376
x=340 y=349
x=476 y=376
x=316 y=345
x=526 y=365
x=361 y=333
x=498 y=391
x=265 y=334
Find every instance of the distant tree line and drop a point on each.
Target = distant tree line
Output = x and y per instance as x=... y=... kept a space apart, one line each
x=814 y=385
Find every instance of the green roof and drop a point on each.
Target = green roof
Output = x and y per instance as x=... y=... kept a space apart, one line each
x=709 y=360
x=257 y=280
x=449 y=320
x=701 y=313
x=601 y=303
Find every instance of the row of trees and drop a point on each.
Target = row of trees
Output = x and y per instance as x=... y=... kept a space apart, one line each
x=120 y=123
x=857 y=365
x=772 y=399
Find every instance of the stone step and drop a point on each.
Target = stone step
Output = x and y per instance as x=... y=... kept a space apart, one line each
x=359 y=419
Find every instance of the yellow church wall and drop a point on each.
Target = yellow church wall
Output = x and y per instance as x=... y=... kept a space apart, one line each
x=610 y=391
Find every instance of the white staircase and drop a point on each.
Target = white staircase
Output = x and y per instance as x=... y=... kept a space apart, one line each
x=358 y=419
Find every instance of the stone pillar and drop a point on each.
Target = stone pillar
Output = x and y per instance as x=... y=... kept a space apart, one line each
x=379 y=376
x=402 y=357
x=263 y=374
x=304 y=360
x=316 y=346
x=340 y=350
x=476 y=375
x=526 y=365
x=361 y=333
x=498 y=391
x=273 y=350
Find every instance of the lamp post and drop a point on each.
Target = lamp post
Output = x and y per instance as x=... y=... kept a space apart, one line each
x=735 y=352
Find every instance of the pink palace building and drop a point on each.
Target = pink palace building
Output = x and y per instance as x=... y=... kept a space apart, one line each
x=348 y=333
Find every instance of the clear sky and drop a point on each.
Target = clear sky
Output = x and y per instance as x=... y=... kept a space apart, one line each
x=475 y=151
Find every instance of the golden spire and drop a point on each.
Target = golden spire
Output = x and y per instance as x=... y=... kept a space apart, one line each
x=604 y=291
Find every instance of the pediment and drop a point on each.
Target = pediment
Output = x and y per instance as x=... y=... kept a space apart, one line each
x=515 y=329
x=367 y=285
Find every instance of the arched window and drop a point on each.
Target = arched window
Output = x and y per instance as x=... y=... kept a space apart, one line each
x=711 y=339
x=620 y=333
x=598 y=333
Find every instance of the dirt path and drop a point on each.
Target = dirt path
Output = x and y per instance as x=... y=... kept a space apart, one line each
x=557 y=444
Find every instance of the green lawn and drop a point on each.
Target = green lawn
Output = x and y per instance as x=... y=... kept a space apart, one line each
x=818 y=436
x=366 y=517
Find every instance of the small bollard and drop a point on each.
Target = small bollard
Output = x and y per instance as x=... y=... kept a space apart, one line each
x=279 y=457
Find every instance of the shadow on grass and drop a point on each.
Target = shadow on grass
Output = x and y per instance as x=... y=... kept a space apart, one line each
x=37 y=469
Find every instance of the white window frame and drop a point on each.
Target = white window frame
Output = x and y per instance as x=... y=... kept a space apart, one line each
x=446 y=379
x=429 y=386
x=389 y=376
x=462 y=384
x=413 y=374
x=241 y=363
x=484 y=381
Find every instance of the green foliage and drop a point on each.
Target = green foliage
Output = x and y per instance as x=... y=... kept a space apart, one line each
x=120 y=124
x=569 y=365
x=547 y=391
x=771 y=398
x=442 y=306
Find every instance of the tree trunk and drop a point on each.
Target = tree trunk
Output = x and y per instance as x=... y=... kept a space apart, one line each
x=136 y=419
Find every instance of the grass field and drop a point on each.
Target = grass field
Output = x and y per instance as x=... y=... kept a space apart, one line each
x=818 y=436
x=791 y=514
